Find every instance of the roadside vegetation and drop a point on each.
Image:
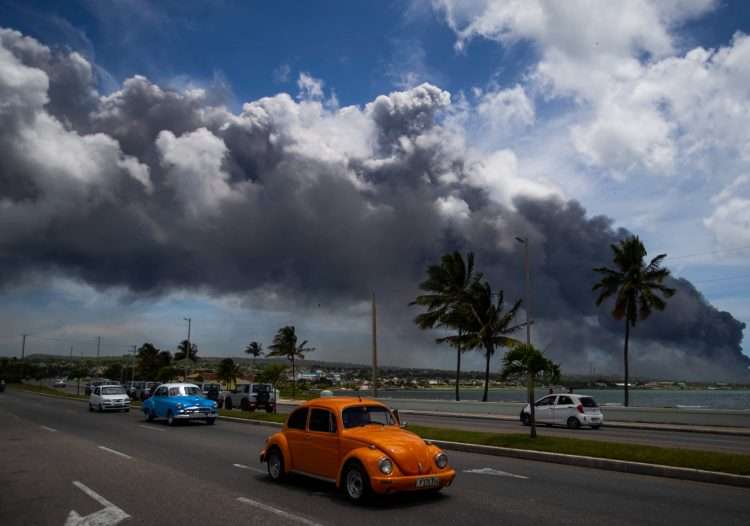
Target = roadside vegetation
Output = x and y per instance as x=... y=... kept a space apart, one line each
x=637 y=289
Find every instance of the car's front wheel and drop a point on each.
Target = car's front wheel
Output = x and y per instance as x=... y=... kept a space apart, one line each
x=595 y=427
x=91 y=407
x=245 y=405
x=526 y=419
x=356 y=483
x=228 y=404
x=171 y=420
x=210 y=421
x=275 y=465
x=101 y=408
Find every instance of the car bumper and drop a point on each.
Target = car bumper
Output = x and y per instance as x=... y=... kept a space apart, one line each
x=115 y=407
x=382 y=484
x=591 y=420
x=195 y=416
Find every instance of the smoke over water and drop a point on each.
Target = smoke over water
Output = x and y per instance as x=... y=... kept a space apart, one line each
x=301 y=202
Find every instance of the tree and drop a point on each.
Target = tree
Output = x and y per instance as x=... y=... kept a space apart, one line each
x=149 y=361
x=285 y=344
x=228 y=372
x=255 y=350
x=636 y=286
x=448 y=286
x=525 y=362
x=188 y=352
x=166 y=374
x=488 y=326
x=272 y=374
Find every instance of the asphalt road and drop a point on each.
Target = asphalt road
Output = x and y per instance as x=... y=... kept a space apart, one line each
x=687 y=440
x=58 y=457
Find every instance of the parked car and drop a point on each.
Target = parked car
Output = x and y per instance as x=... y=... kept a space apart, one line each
x=179 y=402
x=59 y=382
x=359 y=445
x=109 y=398
x=145 y=390
x=213 y=391
x=251 y=397
x=572 y=410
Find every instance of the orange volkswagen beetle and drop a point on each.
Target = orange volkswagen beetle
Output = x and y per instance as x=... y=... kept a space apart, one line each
x=359 y=445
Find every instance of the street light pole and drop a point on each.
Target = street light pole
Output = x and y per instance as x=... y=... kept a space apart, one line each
x=527 y=286
x=374 y=348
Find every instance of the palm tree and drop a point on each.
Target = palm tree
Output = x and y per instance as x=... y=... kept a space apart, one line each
x=254 y=349
x=447 y=290
x=489 y=325
x=526 y=362
x=186 y=351
x=285 y=344
x=636 y=286
x=228 y=372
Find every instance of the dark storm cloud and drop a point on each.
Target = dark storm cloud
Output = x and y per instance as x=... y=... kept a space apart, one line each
x=159 y=190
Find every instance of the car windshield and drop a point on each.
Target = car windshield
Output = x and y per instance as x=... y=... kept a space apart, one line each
x=112 y=390
x=588 y=402
x=363 y=415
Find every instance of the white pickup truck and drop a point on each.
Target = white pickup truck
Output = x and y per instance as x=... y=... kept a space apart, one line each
x=251 y=397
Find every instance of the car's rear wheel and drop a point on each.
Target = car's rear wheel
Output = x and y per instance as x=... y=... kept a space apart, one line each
x=275 y=465
x=526 y=419
x=596 y=426
x=210 y=421
x=245 y=405
x=171 y=419
x=573 y=423
x=228 y=403
x=356 y=483
x=269 y=409
x=150 y=415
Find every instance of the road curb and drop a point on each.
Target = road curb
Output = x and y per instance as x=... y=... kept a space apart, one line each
x=623 y=466
x=250 y=421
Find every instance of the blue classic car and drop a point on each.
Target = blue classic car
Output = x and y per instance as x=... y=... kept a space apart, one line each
x=177 y=402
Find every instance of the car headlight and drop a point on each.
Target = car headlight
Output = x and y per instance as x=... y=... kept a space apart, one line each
x=179 y=405
x=385 y=465
x=441 y=460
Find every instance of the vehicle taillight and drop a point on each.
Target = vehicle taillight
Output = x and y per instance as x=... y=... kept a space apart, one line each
x=580 y=408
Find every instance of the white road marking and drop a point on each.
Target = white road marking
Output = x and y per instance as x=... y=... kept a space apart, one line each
x=108 y=516
x=114 y=452
x=495 y=472
x=277 y=511
x=243 y=466
x=151 y=428
x=50 y=429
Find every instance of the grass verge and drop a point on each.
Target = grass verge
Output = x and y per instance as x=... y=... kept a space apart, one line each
x=43 y=389
x=266 y=417
x=684 y=458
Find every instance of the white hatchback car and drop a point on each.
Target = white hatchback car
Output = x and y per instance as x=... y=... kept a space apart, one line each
x=572 y=410
x=109 y=398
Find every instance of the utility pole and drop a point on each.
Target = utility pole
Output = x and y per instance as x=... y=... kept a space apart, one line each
x=132 y=369
x=374 y=347
x=98 y=346
x=527 y=286
x=189 y=347
x=23 y=346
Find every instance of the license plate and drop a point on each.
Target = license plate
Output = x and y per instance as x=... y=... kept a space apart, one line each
x=594 y=419
x=428 y=482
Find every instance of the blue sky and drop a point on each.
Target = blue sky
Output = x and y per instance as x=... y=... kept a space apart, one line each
x=359 y=50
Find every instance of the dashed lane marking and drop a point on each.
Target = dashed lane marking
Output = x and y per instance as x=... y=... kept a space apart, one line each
x=494 y=472
x=277 y=511
x=108 y=450
x=243 y=466
x=50 y=429
x=107 y=516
